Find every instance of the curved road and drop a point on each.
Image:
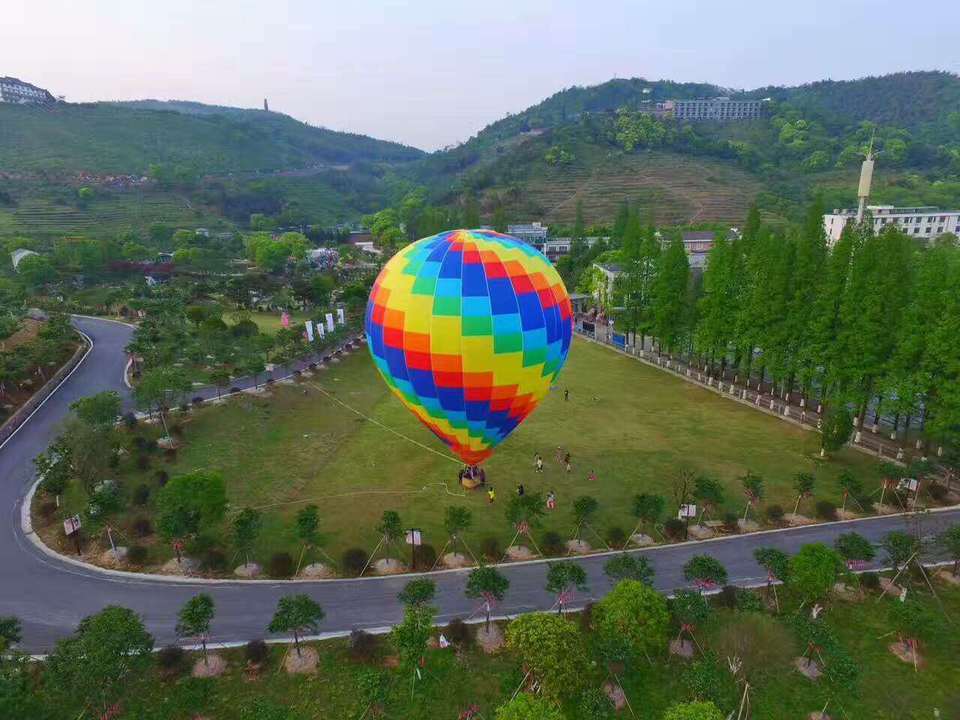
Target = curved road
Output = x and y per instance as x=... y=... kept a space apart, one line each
x=51 y=596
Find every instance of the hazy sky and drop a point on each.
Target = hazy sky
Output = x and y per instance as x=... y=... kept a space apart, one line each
x=434 y=72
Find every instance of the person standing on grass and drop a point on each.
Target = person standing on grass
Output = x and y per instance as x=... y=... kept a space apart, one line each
x=566 y=394
x=520 y=490
x=491 y=495
x=559 y=454
x=592 y=477
x=539 y=462
x=566 y=461
x=551 y=500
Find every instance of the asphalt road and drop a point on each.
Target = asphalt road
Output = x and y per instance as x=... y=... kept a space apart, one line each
x=51 y=596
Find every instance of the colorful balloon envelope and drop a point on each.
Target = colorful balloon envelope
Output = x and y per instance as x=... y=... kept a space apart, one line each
x=469 y=328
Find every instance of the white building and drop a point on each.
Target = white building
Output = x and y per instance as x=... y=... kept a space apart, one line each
x=531 y=233
x=722 y=109
x=923 y=223
x=18 y=92
x=555 y=248
x=17 y=255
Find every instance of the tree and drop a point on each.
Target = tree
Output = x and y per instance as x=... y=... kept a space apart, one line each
x=836 y=428
x=194 y=619
x=696 y=710
x=853 y=546
x=950 y=541
x=10 y=634
x=410 y=637
x=900 y=547
x=417 y=592
x=88 y=449
x=753 y=489
x=774 y=561
x=488 y=583
x=914 y=620
x=851 y=485
x=552 y=650
x=584 y=507
x=246 y=529
x=390 y=527
x=562 y=578
x=803 y=484
x=220 y=378
x=709 y=493
x=528 y=508
x=689 y=608
x=635 y=613
x=93 y=667
x=54 y=468
x=100 y=410
x=36 y=270
x=629 y=567
x=670 y=296
x=190 y=501
x=161 y=388
x=528 y=707
x=297 y=614
x=457 y=520
x=308 y=524
x=814 y=571
x=648 y=508
x=705 y=571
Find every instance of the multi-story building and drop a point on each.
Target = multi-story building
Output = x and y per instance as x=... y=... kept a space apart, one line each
x=532 y=233
x=923 y=223
x=555 y=248
x=18 y=92
x=720 y=108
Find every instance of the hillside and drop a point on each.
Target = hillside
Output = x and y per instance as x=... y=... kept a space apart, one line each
x=601 y=145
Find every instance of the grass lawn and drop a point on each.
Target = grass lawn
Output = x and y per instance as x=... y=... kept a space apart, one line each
x=631 y=424
x=269 y=322
x=887 y=688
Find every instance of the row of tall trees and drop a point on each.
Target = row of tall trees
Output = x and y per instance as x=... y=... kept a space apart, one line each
x=872 y=320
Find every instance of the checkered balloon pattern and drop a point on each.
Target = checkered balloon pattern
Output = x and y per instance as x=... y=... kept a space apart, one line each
x=469 y=328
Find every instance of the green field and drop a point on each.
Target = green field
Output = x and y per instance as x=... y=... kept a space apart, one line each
x=634 y=426
x=886 y=688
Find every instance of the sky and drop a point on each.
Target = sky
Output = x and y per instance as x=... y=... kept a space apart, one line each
x=432 y=73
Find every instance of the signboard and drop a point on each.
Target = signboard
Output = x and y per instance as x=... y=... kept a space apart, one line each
x=414 y=538
x=687 y=511
x=329 y=317
x=589 y=327
x=908 y=485
x=71 y=524
x=309 y=326
x=620 y=340
x=341 y=319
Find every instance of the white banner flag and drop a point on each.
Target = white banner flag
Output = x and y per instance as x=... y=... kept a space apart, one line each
x=340 y=317
x=320 y=329
x=330 y=322
x=309 y=330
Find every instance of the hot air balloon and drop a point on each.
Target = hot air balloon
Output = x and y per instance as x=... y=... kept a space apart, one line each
x=469 y=328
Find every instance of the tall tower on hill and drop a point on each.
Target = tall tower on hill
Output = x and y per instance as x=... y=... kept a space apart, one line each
x=866 y=179
x=266 y=107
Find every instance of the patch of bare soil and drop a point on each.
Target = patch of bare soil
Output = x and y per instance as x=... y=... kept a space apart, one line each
x=302 y=663
x=808 y=667
x=642 y=539
x=317 y=570
x=519 y=552
x=906 y=653
x=185 y=566
x=213 y=666
x=616 y=695
x=247 y=570
x=682 y=648
x=490 y=640
x=578 y=547
x=796 y=519
x=114 y=558
x=454 y=560
x=388 y=566
x=700 y=532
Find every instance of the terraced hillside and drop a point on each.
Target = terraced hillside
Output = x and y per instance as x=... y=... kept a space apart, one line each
x=675 y=189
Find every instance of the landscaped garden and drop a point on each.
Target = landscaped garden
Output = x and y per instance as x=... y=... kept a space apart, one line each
x=338 y=441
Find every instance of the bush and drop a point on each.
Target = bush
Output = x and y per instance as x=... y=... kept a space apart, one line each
x=256 y=651
x=363 y=646
x=425 y=557
x=675 y=529
x=143 y=462
x=616 y=537
x=553 y=544
x=130 y=420
x=142 y=527
x=730 y=522
x=748 y=601
x=137 y=555
x=170 y=659
x=937 y=491
x=728 y=597
x=141 y=495
x=458 y=632
x=281 y=565
x=161 y=476
x=48 y=509
x=353 y=561
x=214 y=560
x=199 y=544
x=586 y=618
x=594 y=705
x=490 y=548
x=775 y=514
x=826 y=510
x=870 y=581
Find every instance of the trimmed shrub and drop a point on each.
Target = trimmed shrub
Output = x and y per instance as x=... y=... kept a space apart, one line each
x=363 y=646
x=490 y=548
x=826 y=510
x=458 y=632
x=137 y=555
x=553 y=544
x=214 y=560
x=281 y=565
x=170 y=659
x=775 y=514
x=616 y=536
x=425 y=557
x=353 y=561
x=256 y=652
x=141 y=494
x=142 y=527
x=675 y=529
x=161 y=476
